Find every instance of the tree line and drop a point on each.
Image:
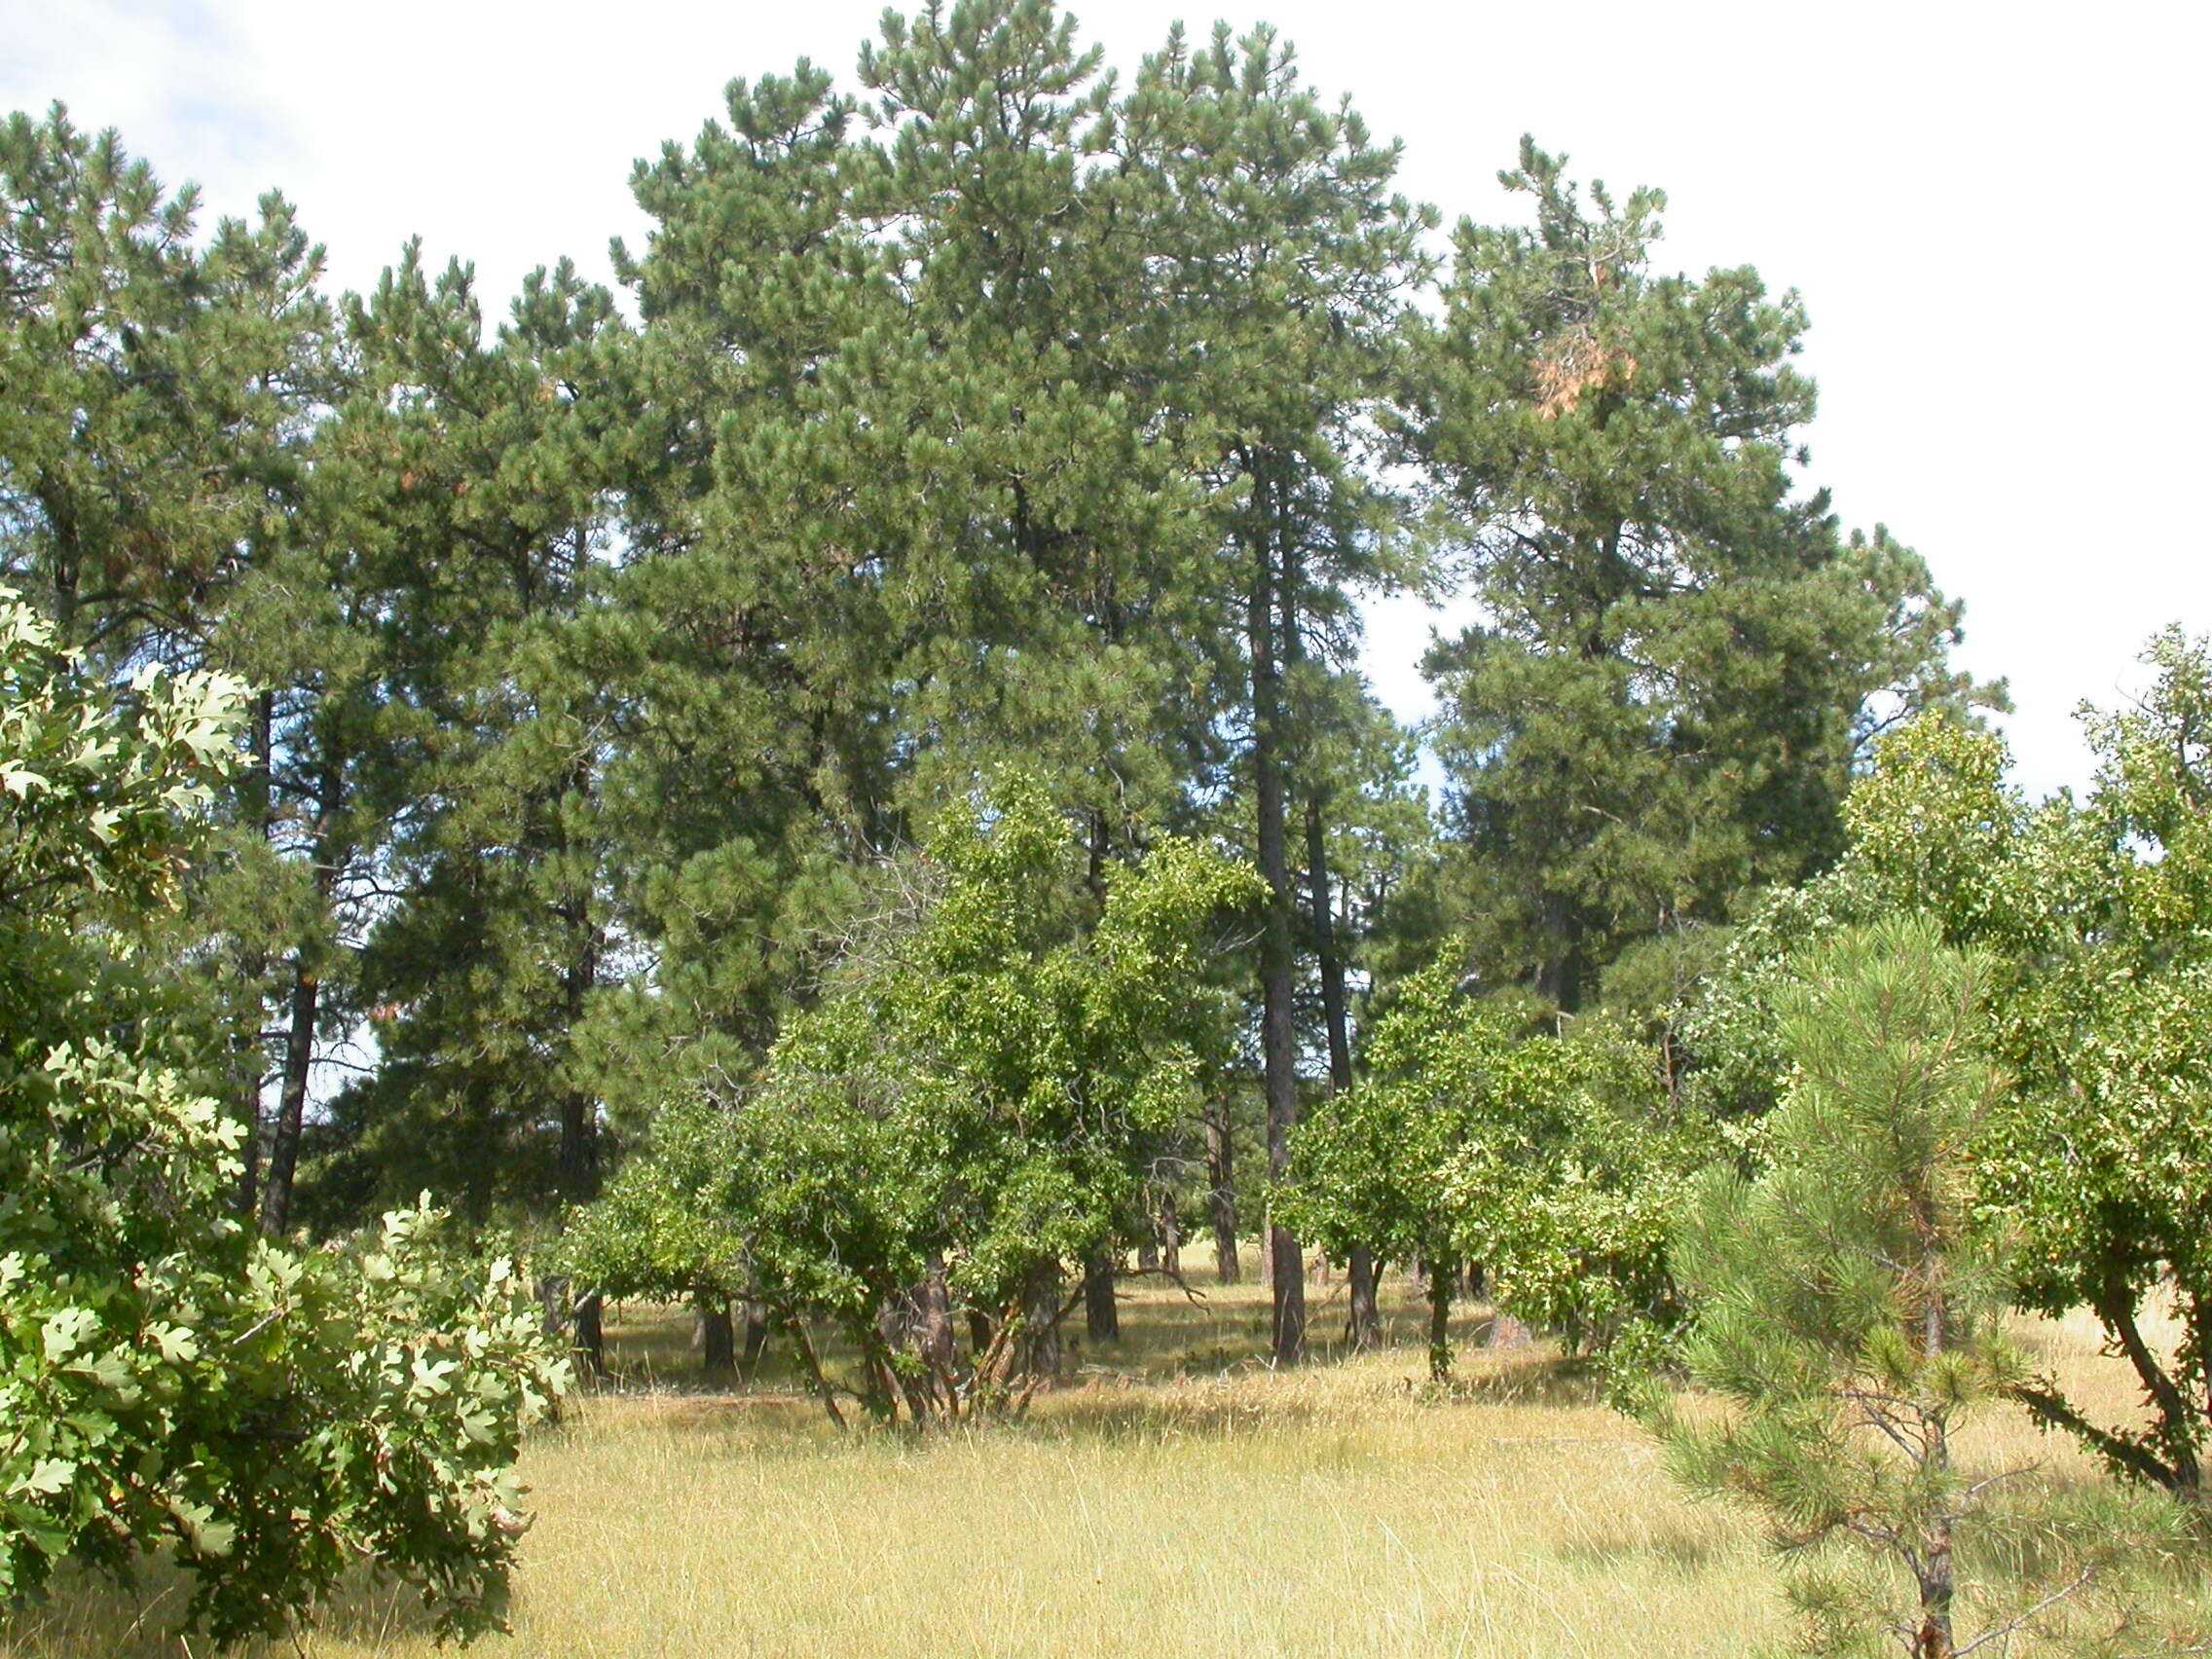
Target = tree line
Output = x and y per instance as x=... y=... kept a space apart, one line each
x=1001 y=412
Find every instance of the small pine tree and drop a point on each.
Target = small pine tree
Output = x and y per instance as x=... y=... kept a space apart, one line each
x=1847 y=1312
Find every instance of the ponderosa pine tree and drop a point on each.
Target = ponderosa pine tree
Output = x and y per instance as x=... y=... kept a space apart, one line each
x=469 y=480
x=923 y=457
x=158 y=392
x=1681 y=660
x=1291 y=265
x=830 y=541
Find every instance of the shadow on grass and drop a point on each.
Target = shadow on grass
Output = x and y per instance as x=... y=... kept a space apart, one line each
x=81 y=1615
x=1181 y=1366
x=1677 y=1550
x=1147 y=1414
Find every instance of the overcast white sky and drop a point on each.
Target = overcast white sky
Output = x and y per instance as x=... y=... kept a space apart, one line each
x=1993 y=213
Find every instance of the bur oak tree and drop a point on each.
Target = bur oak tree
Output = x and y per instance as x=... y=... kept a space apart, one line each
x=169 y=1378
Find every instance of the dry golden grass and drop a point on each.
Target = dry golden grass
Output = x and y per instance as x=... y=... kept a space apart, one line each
x=1177 y=1501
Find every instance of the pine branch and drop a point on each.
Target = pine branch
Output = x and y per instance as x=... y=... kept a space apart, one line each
x=2019 y=1621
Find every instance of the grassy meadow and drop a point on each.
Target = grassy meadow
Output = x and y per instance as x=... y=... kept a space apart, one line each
x=1175 y=1499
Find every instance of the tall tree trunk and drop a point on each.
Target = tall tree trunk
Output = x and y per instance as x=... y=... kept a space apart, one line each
x=1101 y=1318
x=253 y=967
x=1326 y=947
x=1221 y=1190
x=67 y=560
x=1279 y=1049
x=1366 y=1329
x=249 y=1148
x=300 y=1032
x=578 y=1168
x=576 y=1163
x=291 y=1102
x=1559 y=976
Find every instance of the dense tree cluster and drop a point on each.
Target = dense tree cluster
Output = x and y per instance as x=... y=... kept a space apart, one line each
x=1003 y=411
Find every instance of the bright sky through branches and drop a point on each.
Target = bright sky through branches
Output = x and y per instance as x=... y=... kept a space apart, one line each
x=1988 y=209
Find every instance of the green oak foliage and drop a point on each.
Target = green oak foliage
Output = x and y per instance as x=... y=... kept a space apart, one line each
x=1680 y=661
x=168 y=1378
x=966 y=1103
x=663 y=1229
x=2109 y=1157
x=2095 y=913
x=1847 y=1307
x=1475 y=1137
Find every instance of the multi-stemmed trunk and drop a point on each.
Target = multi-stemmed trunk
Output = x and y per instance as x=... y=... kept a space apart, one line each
x=1040 y=1346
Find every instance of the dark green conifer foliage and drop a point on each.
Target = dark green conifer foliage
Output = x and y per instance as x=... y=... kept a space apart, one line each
x=468 y=479
x=1680 y=661
x=159 y=395
x=158 y=391
x=920 y=506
